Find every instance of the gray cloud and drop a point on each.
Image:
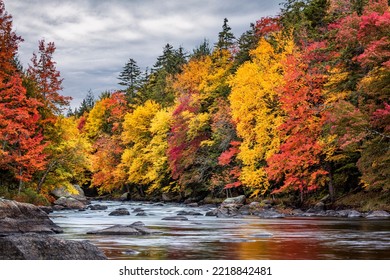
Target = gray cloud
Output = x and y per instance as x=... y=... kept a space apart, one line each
x=95 y=38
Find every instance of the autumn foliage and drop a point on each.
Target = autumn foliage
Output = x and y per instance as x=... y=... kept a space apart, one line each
x=299 y=104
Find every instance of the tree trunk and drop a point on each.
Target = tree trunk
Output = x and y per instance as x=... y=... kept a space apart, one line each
x=43 y=178
x=20 y=180
x=330 y=184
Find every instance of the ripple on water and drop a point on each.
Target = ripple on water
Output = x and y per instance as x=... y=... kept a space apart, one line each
x=225 y=238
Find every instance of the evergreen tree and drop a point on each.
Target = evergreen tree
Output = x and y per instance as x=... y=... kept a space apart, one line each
x=158 y=86
x=171 y=60
x=131 y=78
x=247 y=42
x=304 y=18
x=225 y=37
x=87 y=104
x=202 y=50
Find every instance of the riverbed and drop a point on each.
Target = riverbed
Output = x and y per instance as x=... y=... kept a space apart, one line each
x=203 y=237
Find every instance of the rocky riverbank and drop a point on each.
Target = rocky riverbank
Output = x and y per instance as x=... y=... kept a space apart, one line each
x=26 y=233
x=266 y=209
x=74 y=198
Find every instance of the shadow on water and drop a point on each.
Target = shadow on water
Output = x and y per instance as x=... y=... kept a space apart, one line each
x=204 y=237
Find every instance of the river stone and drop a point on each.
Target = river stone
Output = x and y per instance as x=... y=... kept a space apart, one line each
x=311 y=213
x=17 y=217
x=188 y=213
x=142 y=214
x=269 y=214
x=349 y=214
x=175 y=218
x=159 y=204
x=212 y=213
x=44 y=247
x=266 y=202
x=97 y=207
x=58 y=208
x=69 y=203
x=320 y=206
x=119 y=212
x=193 y=204
x=74 y=191
x=137 y=228
x=138 y=224
x=297 y=212
x=46 y=209
x=378 y=215
x=254 y=204
x=354 y=214
x=245 y=210
x=228 y=210
x=166 y=198
x=125 y=196
x=235 y=200
x=136 y=210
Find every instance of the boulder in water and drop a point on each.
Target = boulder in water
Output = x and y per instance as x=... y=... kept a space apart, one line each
x=69 y=203
x=44 y=247
x=97 y=207
x=74 y=191
x=188 y=213
x=137 y=228
x=17 y=217
x=120 y=212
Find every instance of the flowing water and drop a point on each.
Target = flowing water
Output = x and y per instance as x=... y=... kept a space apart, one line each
x=204 y=237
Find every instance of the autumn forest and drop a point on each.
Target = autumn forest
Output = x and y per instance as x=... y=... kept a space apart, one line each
x=298 y=106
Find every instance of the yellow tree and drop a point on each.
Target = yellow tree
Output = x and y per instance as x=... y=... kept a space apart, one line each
x=144 y=160
x=69 y=156
x=255 y=110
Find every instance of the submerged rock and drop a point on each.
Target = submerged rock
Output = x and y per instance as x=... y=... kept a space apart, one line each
x=142 y=214
x=17 y=217
x=44 y=247
x=175 y=218
x=137 y=228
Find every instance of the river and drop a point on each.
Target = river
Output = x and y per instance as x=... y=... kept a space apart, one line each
x=204 y=237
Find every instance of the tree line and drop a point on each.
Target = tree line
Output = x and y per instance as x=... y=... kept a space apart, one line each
x=298 y=104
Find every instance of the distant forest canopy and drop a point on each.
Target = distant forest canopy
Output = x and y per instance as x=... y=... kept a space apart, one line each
x=298 y=105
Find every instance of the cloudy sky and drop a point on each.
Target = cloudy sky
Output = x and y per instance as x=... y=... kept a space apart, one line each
x=95 y=38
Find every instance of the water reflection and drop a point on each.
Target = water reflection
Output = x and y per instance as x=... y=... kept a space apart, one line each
x=211 y=238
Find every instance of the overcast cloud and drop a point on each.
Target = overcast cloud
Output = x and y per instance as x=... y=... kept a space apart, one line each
x=95 y=38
